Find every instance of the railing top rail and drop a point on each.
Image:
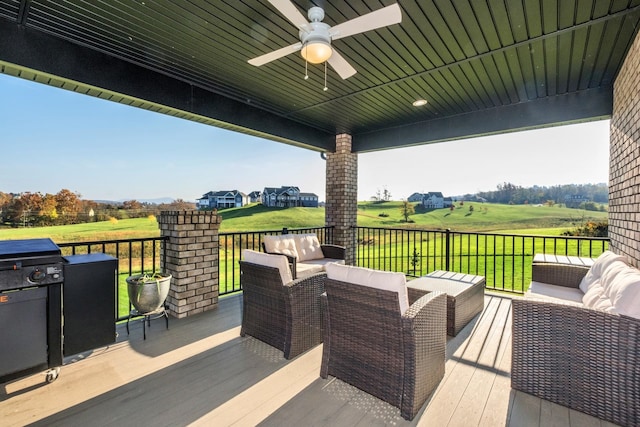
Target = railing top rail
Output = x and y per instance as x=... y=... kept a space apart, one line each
x=106 y=242
x=229 y=233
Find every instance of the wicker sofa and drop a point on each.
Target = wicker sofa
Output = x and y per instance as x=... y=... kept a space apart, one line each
x=583 y=353
x=305 y=253
x=278 y=310
x=377 y=342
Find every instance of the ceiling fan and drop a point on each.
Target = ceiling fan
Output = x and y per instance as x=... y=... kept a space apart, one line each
x=316 y=36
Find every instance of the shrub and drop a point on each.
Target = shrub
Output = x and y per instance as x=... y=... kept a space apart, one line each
x=590 y=229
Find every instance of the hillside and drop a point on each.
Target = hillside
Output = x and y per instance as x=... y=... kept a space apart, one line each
x=483 y=217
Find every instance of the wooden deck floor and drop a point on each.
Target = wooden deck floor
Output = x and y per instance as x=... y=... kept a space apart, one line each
x=201 y=372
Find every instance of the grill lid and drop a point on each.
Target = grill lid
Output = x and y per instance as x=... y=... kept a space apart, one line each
x=28 y=248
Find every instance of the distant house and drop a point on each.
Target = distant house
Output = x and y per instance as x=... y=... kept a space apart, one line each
x=255 y=197
x=288 y=196
x=575 y=200
x=222 y=200
x=416 y=197
x=308 y=200
x=447 y=202
x=433 y=200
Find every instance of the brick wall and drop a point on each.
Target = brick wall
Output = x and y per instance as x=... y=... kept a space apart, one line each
x=624 y=160
x=341 y=209
x=191 y=257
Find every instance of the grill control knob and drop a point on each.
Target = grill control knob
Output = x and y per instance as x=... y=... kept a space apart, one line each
x=37 y=275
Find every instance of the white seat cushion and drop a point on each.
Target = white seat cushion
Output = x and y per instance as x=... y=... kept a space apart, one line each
x=385 y=280
x=308 y=247
x=284 y=244
x=278 y=261
x=304 y=269
x=549 y=292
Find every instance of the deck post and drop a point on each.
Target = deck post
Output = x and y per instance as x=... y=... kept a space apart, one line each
x=190 y=255
x=342 y=196
x=624 y=159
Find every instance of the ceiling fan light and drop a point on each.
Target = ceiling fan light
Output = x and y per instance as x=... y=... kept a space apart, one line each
x=316 y=52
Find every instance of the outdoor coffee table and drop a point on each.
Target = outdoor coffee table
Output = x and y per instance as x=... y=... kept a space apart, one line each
x=465 y=295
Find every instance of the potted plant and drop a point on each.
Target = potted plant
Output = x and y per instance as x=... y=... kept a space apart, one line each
x=147 y=292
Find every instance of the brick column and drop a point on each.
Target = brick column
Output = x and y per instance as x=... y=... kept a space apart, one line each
x=191 y=257
x=624 y=159
x=342 y=195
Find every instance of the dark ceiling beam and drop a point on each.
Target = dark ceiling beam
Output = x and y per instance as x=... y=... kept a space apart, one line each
x=35 y=50
x=587 y=105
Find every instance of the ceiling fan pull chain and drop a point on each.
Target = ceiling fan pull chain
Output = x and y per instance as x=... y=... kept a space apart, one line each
x=306 y=72
x=325 y=77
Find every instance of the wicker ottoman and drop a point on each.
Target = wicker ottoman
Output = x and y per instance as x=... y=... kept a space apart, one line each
x=465 y=295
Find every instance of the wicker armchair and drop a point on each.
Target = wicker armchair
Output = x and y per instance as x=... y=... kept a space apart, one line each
x=284 y=315
x=578 y=357
x=369 y=344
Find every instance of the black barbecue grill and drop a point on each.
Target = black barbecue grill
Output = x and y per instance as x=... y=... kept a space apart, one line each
x=31 y=277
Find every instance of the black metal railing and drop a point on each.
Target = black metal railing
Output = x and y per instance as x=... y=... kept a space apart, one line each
x=504 y=259
x=231 y=246
x=135 y=256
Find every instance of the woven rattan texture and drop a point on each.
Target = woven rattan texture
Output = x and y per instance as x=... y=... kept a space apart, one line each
x=370 y=345
x=286 y=316
x=585 y=359
x=558 y=274
x=461 y=306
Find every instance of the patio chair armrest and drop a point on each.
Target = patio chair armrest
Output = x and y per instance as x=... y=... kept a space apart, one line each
x=558 y=274
x=333 y=251
x=424 y=326
x=303 y=314
x=578 y=357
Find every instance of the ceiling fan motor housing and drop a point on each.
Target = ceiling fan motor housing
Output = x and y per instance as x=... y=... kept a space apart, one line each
x=315 y=32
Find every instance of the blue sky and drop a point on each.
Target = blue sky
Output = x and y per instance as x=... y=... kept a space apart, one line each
x=54 y=139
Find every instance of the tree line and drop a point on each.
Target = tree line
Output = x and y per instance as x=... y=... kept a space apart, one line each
x=66 y=207
x=509 y=193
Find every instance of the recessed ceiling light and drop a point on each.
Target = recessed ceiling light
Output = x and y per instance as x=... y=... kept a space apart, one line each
x=419 y=102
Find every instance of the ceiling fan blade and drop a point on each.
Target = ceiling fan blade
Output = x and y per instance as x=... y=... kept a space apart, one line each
x=342 y=67
x=276 y=54
x=290 y=11
x=379 y=18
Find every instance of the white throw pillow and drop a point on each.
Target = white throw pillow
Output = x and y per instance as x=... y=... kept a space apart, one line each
x=612 y=271
x=308 y=247
x=386 y=280
x=595 y=272
x=283 y=244
x=278 y=261
x=624 y=292
x=599 y=266
x=593 y=294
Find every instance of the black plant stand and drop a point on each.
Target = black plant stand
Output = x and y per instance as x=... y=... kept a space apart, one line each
x=147 y=317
